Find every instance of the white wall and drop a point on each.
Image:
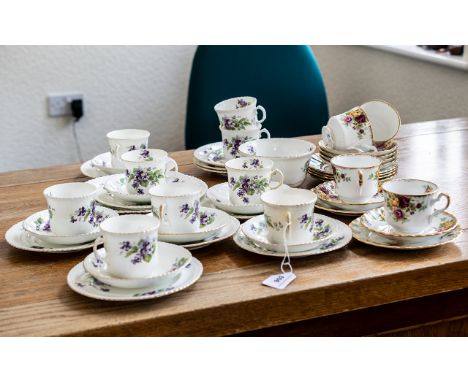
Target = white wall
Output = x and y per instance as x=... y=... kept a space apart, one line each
x=421 y=91
x=124 y=87
x=146 y=87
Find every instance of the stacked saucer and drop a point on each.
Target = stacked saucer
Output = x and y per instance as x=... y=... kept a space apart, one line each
x=215 y=225
x=372 y=228
x=100 y=165
x=327 y=235
x=320 y=167
x=211 y=158
x=218 y=196
x=122 y=205
x=177 y=270
x=329 y=200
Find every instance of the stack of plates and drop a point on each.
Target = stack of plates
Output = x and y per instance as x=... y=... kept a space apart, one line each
x=320 y=167
x=372 y=228
x=210 y=158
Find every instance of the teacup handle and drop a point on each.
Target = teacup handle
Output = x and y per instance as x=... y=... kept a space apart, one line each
x=447 y=198
x=115 y=148
x=360 y=180
x=280 y=173
x=286 y=259
x=161 y=209
x=327 y=137
x=99 y=240
x=171 y=164
x=267 y=133
x=262 y=109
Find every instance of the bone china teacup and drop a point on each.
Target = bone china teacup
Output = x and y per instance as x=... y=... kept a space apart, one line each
x=249 y=178
x=291 y=209
x=177 y=205
x=131 y=245
x=146 y=168
x=71 y=208
x=121 y=141
x=232 y=139
x=356 y=177
x=349 y=131
x=239 y=113
x=409 y=204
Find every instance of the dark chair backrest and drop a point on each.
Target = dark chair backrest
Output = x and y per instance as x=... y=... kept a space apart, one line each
x=286 y=81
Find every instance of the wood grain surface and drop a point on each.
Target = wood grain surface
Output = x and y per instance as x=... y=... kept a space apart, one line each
x=229 y=298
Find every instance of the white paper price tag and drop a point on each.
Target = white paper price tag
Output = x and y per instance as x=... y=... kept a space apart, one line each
x=279 y=281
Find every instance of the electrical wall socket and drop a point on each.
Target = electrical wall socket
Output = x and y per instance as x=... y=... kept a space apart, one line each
x=59 y=104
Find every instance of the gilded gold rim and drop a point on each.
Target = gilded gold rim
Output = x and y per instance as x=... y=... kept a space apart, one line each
x=401 y=247
x=268 y=166
x=216 y=107
x=382 y=178
x=143 y=161
x=419 y=180
x=356 y=167
x=381 y=173
x=395 y=110
x=310 y=152
x=323 y=147
x=385 y=159
x=413 y=234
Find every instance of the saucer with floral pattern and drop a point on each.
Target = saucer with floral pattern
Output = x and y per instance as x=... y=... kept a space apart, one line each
x=19 y=238
x=342 y=237
x=172 y=259
x=321 y=231
x=103 y=162
x=38 y=226
x=82 y=282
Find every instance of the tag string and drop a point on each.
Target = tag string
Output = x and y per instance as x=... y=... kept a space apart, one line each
x=286 y=262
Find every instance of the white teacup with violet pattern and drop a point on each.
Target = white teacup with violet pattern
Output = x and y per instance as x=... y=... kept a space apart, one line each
x=177 y=205
x=72 y=209
x=146 y=168
x=356 y=177
x=289 y=214
x=232 y=139
x=410 y=204
x=239 y=113
x=130 y=242
x=122 y=141
x=249 y=178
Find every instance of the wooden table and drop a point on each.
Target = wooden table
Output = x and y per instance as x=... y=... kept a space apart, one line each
x=358 y=290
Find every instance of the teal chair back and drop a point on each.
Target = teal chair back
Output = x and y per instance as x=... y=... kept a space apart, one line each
x=286 y=81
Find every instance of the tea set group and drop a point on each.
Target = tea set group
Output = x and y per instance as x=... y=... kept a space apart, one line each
x=147 y=215
x=357 y=161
